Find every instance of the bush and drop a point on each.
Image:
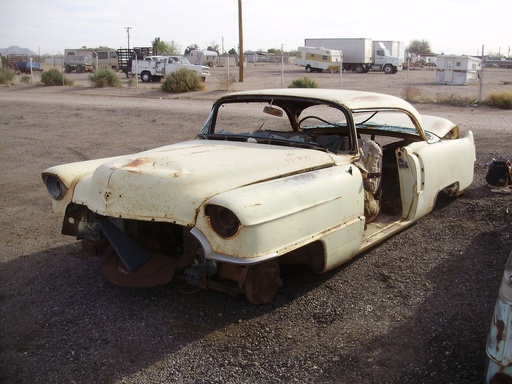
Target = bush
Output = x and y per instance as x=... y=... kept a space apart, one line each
x=455 y=100
x=411 y=93
x=132 y=82
x=303 y=83
x=105 y=78
x=183 y=80
x=501 y=100
x=6 y=75
x=25 y=79
x=225 y=82
x=54 y=77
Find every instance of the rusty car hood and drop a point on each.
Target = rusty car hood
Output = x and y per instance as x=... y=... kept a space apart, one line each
x=170 y=183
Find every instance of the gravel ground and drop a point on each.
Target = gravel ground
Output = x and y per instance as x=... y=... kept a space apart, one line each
x=416 y=309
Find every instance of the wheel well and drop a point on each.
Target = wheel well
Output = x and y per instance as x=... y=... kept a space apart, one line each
x=446 y=195
x=452 y=190
x=311 y=255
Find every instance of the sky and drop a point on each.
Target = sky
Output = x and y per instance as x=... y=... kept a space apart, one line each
x=460 y=27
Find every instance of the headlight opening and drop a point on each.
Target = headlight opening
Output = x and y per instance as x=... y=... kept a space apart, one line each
x=223 y=221
x=55 y=186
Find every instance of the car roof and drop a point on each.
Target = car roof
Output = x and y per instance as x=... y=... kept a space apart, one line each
x=351 y=100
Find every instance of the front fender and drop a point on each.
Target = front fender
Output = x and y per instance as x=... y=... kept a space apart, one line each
x=280 y=215
x=70 y=174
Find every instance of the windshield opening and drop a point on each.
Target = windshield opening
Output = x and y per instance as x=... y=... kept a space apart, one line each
x=280 y=122
x=387 y=122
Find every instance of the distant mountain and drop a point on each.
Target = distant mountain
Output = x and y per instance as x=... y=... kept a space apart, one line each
x=15 y=50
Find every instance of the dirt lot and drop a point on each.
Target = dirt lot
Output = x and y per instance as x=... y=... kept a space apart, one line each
x=414 y=310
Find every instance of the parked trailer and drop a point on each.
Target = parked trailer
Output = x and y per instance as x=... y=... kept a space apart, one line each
x=23 y=63
x=78 y=64
x=209 y=58
x=319 y=59
x=359 y=55
x=24 y=66
x=457 y=70
x=102 y=57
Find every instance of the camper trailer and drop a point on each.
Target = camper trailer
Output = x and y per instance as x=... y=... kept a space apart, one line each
x=102 y=57
x=319 y=59
x=457 y=70
x=209 y=58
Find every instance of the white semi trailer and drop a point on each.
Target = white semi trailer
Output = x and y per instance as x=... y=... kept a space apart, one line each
x=359 y=54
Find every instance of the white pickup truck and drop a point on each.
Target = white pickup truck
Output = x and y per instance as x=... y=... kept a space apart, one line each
x=154 y=68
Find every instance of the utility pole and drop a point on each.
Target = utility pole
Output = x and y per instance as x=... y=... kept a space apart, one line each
x=128 y=31
x=240 y=44
x=481 y=77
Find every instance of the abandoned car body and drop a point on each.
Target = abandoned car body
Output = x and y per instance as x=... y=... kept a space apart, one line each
x=303 y=176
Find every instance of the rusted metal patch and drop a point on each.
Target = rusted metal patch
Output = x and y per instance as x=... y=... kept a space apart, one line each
x=158 y=270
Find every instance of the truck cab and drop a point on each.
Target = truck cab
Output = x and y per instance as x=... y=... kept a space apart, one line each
x=383 y=61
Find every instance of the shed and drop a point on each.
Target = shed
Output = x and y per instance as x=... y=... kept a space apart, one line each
x=457 y=70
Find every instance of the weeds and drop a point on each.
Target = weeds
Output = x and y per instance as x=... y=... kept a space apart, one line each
x=6 y=75
x=501 y=100
x=411 y=93
x=303 y=83
x=183 y=80
x=224 y=82
x=54 y=77
x=132 y=82
x=455 y=100
x=105 y=78
x=25 y=79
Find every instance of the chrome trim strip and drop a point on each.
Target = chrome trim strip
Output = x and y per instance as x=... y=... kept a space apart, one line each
x=210 y=255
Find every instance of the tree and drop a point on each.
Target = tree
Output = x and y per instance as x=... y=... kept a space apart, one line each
x=232 y=51
x=419 y=47
x=213 y=47
x=155 y=44
x=497 y=55
x=166 y=48
x=190 y=48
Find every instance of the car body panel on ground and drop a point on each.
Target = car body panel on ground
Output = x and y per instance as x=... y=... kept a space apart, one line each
x=499 y=340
